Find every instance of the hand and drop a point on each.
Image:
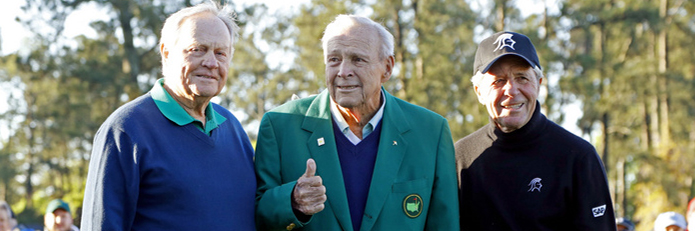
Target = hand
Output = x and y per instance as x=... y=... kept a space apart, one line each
x=309 y=193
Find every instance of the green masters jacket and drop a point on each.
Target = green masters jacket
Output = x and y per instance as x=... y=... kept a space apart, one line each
x=413 y=187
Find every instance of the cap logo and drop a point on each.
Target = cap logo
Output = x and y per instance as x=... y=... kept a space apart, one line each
x=412 y=205
x=535 y=184
x=504 y=40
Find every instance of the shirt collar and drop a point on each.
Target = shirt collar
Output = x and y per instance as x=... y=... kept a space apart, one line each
x=368 y=129
x=174 y=112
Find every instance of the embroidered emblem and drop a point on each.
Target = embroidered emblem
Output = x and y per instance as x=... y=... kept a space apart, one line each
x=321 y=141
x=504 y=40
x=599 y=211
x=395 y=143
x=412 y=205
x=535 y=184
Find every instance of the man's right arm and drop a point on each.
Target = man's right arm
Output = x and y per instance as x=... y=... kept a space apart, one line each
x=273 y=196
x=111 y=192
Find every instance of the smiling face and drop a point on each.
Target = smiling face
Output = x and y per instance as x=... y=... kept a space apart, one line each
x=196 y=65
x=354 y=68
x=59 y=220
x=509 y=91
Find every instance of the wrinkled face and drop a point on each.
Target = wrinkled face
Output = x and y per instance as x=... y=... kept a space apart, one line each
x=354 y=68
x=509 y=91
x=59 y=220
x=4 y=220
x=197 y=64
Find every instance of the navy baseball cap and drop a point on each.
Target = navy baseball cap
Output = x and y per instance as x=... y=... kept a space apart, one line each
x=501 y=44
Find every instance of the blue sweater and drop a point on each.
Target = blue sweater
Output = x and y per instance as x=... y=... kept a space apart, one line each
x=357 y=165
x=147 y=173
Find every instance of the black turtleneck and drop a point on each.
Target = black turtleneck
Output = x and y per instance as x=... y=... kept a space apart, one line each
x=538 y=177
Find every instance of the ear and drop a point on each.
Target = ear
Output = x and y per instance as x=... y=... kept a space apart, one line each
x=390 y=62
x=478 y=94
x=164 y=51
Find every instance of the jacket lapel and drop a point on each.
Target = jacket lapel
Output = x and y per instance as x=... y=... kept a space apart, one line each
x=322 y=148
x=392 y=148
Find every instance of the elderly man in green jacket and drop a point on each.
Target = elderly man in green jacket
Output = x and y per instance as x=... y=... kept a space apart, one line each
x=355 y=157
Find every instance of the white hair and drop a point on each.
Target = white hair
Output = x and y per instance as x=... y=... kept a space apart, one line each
x=479 y=76
x=6 y=207
x=172 y=25
x=342 y=22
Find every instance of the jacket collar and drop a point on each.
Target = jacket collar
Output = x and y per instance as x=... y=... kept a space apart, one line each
x=322 y=148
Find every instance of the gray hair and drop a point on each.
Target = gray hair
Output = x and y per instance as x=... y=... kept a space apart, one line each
x=342 y=22
x=6 y=207
x=172 y=25
x=479 y=76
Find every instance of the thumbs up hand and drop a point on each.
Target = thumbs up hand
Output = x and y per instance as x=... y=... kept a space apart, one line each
x=309 y=193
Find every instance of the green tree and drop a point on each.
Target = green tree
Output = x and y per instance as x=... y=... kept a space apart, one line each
x=618 y=63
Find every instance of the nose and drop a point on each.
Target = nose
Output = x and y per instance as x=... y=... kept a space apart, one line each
x=210 y=61
x=511 y=88
x=346 y=70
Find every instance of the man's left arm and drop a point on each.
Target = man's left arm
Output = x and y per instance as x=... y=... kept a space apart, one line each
x=593 y=203
x=443 y=211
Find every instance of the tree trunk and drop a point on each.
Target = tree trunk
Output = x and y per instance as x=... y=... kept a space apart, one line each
x=399 y=51
x=645 y=136
x=663 y=78
x=131 y=65
x=500 y=10
x=620 y=189
x=605 y=121
x=604 y=93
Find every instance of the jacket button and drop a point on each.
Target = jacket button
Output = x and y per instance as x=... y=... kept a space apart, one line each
x=291 y=226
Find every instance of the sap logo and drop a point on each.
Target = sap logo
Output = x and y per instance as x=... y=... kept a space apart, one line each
x=599 y=211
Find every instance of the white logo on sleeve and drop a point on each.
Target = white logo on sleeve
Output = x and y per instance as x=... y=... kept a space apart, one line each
x=535 y=184
x=599 y=211
x=504 y=40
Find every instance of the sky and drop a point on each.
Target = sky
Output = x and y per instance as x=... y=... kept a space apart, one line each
x=12 y=32
x=13 y=35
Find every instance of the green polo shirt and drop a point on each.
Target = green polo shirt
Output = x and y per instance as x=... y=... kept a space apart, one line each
x=174 y=112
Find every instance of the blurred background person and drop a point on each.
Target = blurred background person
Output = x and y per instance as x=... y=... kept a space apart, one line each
x=669 y=221
x=14 y=226
x=5 y=216
x=624 y=224
x=58 y=217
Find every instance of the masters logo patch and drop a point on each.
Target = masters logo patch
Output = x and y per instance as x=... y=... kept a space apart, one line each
x=412 y=205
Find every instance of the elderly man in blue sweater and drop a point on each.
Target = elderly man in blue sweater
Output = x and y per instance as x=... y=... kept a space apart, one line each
x=170 y=159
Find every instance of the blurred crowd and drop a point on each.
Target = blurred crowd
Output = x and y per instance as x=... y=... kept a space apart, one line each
x=58 y=217
x=666 y=221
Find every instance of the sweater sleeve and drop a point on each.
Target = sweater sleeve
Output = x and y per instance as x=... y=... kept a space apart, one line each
x=594 y=207
x=273 y=198
x=444 y=212
x=111 y=192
